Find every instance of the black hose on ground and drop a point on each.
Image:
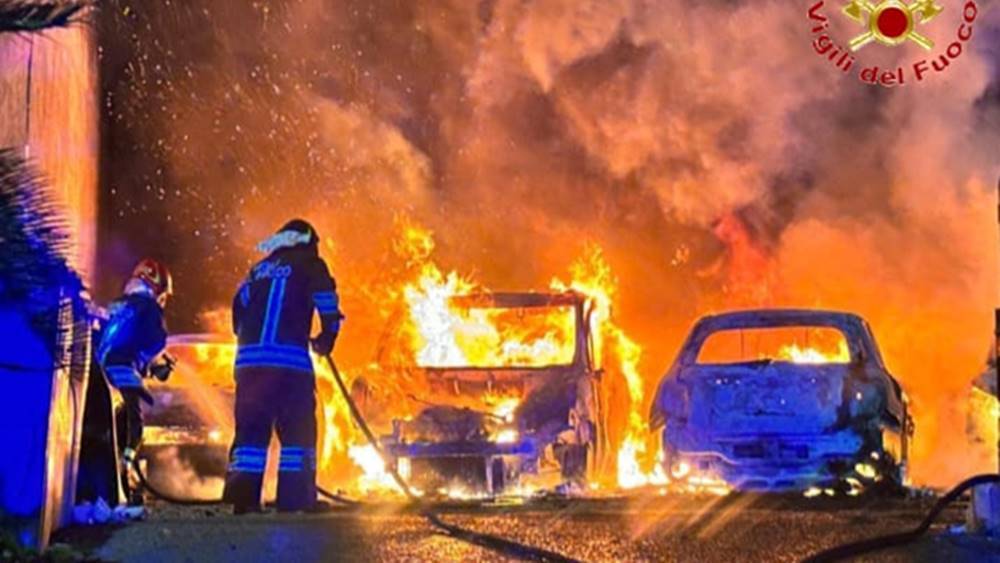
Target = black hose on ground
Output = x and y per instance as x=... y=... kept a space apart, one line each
x=488 y=541
x=862 y=547
x=335 y=497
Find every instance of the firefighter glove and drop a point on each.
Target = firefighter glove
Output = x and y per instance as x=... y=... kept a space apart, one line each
x=323 y=344
x=163 y=370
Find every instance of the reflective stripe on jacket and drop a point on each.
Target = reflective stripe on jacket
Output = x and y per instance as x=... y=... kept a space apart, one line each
x=273 y=309
x=133 y=335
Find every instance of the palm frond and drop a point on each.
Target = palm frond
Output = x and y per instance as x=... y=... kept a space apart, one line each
x=25 y=16
x=34 y=274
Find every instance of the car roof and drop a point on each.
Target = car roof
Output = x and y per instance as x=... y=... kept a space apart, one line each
x=758 y=318
x=510 y=299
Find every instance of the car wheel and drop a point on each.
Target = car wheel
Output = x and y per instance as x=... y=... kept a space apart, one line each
x=573 y=462
x=894 y=481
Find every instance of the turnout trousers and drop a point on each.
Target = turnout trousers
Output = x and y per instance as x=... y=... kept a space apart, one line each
x=284 y=400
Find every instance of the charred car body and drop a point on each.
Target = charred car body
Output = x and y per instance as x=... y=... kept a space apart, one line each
x=472 y=428
x=461 y=434
x=188 y=429
x=746 y=404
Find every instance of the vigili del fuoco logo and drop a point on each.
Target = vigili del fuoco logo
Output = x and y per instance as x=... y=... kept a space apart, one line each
x=889 y=24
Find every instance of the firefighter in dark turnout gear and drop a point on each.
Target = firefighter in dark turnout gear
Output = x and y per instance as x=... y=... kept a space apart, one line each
x=131 y=348
x=275 y=383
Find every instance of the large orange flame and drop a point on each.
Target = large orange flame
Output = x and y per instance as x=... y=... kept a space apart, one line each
x=619 y=355
x=436 y=333
x=810 y=355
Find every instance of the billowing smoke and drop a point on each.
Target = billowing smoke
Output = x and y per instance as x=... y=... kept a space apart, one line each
x=716 y=159
x=175 y=475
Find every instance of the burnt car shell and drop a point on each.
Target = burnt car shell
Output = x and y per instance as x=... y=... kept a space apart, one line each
x=776 y=425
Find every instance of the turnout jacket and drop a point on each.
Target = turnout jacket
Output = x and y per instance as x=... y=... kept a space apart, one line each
x=273 y=310
x=134 y=334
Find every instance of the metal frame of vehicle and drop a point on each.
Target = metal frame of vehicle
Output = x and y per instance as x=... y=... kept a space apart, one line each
x=570 y=427
x=165 y=428
x=778 y=426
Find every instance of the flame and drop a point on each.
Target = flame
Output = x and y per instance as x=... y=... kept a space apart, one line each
x=458 y=492
x=505 y=407
x=811 y=355
x=630 y=474
x=447 y=336
x=336 y=432
x=506 y=436
x=375 y=476
x=619 y=355
x=436 y=332
x=707 y=484
x=435 y=320
x=220 y=357
x=444 y=335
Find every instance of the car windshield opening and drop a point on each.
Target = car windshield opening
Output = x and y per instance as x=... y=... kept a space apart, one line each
x=790 y=344
x=494 y=337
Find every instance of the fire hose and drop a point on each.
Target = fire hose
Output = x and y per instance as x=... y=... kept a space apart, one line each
x=862 y=547
x=489 y=541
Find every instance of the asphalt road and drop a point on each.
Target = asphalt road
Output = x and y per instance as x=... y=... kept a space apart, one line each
x=646 y=527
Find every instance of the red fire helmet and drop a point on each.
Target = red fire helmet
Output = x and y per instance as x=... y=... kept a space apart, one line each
x=156 y=275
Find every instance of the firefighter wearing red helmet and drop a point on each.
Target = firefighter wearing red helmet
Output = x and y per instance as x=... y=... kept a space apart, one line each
x=156 y=277
x=131 y=348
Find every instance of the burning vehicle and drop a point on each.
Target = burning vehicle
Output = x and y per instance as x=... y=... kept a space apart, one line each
x=506 y=393
x=783 y=400
x=188 y=429
x=503 y=392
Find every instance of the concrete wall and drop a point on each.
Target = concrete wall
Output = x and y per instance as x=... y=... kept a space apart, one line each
x=49 y=104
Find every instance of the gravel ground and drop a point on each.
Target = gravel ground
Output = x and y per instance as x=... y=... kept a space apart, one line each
x=639 y=528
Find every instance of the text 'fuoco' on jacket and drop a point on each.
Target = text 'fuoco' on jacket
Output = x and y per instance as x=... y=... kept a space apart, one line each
x=273 y=309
